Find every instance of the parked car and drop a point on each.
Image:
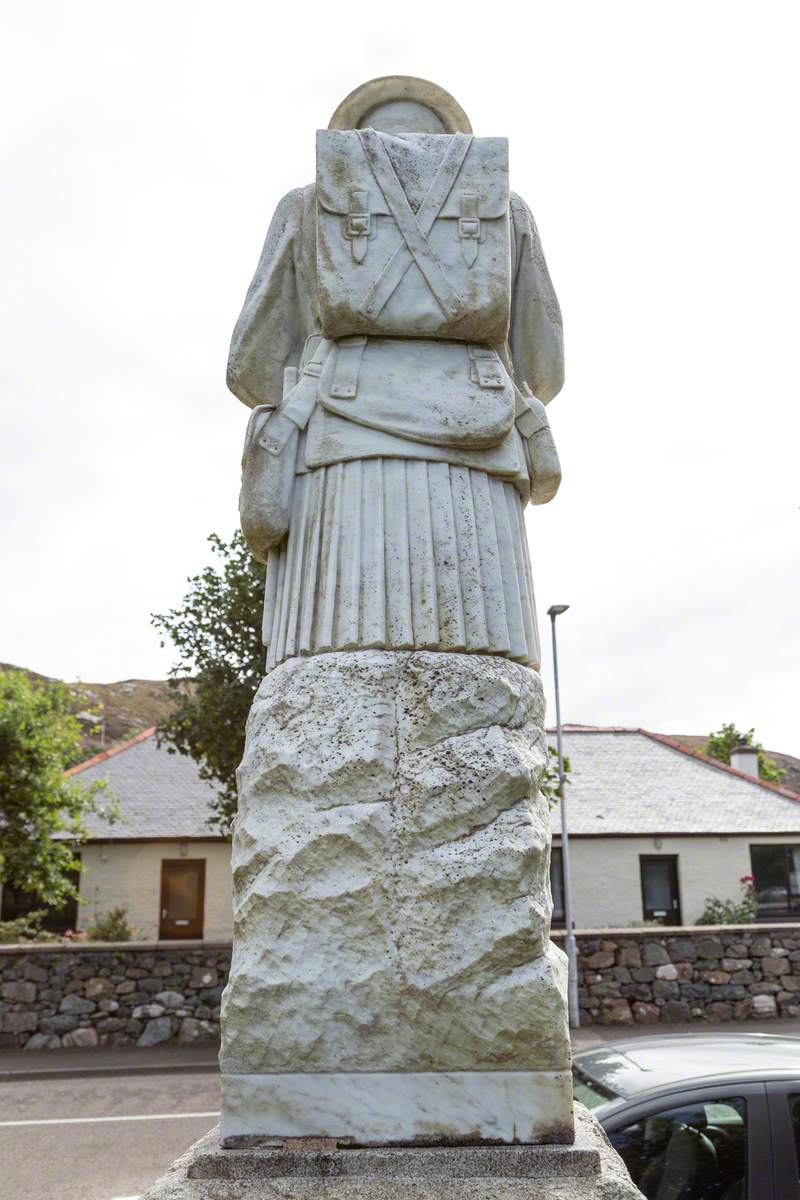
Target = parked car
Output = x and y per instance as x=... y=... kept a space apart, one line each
x=700 y=1116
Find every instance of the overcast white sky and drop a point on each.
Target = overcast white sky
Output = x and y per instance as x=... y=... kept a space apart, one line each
x=144 y=149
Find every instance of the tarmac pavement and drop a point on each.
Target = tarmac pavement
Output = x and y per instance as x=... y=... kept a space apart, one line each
x=99 y=1134
x=102 y=1124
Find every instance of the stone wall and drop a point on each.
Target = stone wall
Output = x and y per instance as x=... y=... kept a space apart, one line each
x=143 y=994
x=658 y=976
x=111 y=995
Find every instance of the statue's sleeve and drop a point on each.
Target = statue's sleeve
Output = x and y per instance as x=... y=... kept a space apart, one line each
x=536 y=338
x=268 y=334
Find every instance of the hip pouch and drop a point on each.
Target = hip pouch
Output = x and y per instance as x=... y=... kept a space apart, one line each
x=269 y=462
x=441 y=393
x=413 y=235
x=269 y=459
x=541 y=456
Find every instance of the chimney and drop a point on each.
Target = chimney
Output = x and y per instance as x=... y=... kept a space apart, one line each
x=745 y=758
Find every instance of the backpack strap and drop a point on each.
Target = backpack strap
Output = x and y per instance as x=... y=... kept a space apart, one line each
x=408 y=223
x=485 y=367
x=441 y=185
x=299 y=397
x=349 y=352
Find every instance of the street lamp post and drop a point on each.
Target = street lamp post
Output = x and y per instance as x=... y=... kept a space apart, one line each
x=570 y=944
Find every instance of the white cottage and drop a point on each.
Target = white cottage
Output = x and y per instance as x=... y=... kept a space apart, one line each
x=655 y=828
x=159 y=860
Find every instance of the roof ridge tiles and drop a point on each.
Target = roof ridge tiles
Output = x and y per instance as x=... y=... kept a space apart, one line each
x=665 y=740
x=104 y=755
x=720 y=766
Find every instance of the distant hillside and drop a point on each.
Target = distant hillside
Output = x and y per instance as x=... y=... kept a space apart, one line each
x=126 y=707
x=132 y=705
x=786 y=762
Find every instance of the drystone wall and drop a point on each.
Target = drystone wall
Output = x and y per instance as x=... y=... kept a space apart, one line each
x=659 y=976
x=146 y=993
x=111 y=995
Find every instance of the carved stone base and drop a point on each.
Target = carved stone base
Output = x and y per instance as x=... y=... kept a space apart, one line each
x=307 y=1169
x=392 y=974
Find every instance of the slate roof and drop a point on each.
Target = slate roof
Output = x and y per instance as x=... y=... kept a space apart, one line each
x=158 y=794
x=623 y=781
x=632 y=781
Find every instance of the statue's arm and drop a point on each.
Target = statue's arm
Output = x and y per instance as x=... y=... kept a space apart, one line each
x=268 y=335
x=536 y=337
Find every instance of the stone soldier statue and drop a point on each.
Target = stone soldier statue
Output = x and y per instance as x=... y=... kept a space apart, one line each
x=393 y=978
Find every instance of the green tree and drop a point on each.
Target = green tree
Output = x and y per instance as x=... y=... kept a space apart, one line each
x=216 y=632
x=728 y=737
x=39 y=739
x=549 y=785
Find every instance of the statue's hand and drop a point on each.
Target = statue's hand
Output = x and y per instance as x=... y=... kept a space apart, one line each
x=541 y=455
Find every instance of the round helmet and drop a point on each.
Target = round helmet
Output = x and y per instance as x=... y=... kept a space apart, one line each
x=393 y=103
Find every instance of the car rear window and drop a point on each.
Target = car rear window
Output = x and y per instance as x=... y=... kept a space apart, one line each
x=588 y=1091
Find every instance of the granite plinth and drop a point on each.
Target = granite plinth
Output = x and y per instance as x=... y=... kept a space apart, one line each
x=307 y=1167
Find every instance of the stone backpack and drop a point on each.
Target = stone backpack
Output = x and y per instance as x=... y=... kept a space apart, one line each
x=413 y=235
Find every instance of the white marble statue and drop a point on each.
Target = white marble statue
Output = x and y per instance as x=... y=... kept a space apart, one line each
x=392 y=977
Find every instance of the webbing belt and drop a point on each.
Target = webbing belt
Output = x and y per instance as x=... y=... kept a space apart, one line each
x=414 y=227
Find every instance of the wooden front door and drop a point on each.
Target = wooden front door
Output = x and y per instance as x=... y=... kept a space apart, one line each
x=660 y=895
x=183 y=886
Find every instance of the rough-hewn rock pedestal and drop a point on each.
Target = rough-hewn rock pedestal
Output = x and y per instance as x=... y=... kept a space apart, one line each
x=392 y=976
x=589 y=1170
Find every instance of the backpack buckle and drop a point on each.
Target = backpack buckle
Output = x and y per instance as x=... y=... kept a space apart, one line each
x=358 y=227
x=469 y=227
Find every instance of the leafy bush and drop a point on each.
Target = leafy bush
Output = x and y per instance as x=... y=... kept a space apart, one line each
x=732 y=912
x=40 y=738
x=549 y=785
x=113 y=926
x=724 y=741
x=23 y=930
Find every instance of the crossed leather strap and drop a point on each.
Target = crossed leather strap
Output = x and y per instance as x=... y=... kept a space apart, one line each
x=415 y=227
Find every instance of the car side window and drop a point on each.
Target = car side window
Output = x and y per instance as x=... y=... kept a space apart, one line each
x=794 y=1113
x=698 y=1152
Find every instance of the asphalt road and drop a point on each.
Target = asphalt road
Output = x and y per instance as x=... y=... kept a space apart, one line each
x=80 y=1158
x=90 y=1125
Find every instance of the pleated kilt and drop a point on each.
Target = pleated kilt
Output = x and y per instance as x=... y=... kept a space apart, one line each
x=401 y=554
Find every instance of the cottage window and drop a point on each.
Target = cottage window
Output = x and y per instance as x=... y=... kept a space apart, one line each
x=17 y=903
x=776 y=870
